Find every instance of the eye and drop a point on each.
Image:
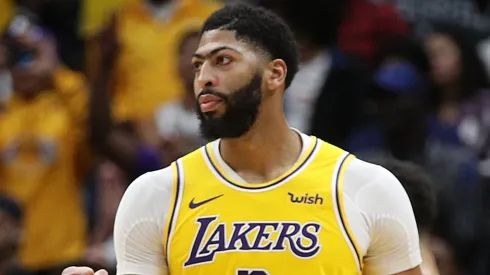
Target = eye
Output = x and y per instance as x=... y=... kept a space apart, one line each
x=196 y=65
x=223 y=60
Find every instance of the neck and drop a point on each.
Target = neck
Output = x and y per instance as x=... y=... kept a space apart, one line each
x=267 y=150
x=450 y=93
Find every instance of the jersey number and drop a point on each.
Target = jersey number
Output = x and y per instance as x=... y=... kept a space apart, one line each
x=252 y=272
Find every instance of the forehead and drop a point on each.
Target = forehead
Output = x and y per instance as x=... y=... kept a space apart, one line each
x=214 y=39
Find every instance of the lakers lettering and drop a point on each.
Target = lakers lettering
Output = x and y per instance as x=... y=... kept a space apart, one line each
x=300 y=239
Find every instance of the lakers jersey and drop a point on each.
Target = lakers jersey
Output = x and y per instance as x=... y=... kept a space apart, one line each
x=294 y=224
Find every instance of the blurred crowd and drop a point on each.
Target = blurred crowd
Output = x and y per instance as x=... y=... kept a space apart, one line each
x=94 y=93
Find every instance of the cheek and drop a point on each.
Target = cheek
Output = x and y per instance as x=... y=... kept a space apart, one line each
x=444 y=65
x=197 y=88
x=439 y=60
x=453 y=65
x=445 y=61
x=231 y=81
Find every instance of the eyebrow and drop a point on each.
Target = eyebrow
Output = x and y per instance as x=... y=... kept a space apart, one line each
x=215 y=51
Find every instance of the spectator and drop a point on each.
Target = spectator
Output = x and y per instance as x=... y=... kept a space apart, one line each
x=61 y=18
x=399 y=101
x=460 y=97
x=124 y=155
x=400 y=76
x=40 y=157
x=118 y=142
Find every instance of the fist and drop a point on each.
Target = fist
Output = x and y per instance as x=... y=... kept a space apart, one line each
x=82 y=270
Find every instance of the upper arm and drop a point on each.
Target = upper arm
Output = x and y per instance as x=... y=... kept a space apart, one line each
x=139 y=225
x=391 y=235
x=71 y=90
x=394 y=246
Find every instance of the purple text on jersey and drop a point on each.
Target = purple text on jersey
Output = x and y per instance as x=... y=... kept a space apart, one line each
x=302 y=239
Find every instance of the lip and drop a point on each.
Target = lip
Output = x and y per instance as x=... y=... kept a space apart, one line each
x=209 y=103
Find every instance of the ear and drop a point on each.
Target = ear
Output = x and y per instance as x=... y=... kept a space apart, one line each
x=276 y=76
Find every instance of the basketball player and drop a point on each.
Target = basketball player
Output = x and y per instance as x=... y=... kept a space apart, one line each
x=262 y=199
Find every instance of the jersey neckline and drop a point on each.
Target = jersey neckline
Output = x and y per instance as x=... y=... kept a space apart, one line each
x=229 y=177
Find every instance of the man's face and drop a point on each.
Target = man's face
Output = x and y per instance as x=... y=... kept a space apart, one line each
x=227 y=85
x=32 y=71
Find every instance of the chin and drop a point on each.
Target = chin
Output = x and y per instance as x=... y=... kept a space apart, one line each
x=213 y=115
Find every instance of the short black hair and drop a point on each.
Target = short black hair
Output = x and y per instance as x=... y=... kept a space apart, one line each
x=260 y=28
x=419 y=187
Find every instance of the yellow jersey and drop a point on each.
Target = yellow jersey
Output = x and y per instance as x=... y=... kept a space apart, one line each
x=39 y=166
x=294 y=224
x=6 y=13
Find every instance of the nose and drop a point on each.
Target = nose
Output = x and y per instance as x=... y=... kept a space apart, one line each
x=206 y=77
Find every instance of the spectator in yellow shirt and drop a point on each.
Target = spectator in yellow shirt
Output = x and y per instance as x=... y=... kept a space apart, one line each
x=40 y=141
x=148 y=35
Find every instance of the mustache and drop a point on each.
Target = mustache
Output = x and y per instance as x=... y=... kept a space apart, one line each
x=221 y=95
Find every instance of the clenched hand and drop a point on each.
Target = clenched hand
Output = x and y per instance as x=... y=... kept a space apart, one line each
x=82 y=270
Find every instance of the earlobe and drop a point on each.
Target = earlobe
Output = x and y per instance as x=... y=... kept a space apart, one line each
x=277 y=74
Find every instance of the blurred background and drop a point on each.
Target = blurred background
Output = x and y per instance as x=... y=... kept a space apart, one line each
x=94 y=93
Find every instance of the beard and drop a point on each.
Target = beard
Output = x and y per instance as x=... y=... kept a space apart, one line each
x=242 y=109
